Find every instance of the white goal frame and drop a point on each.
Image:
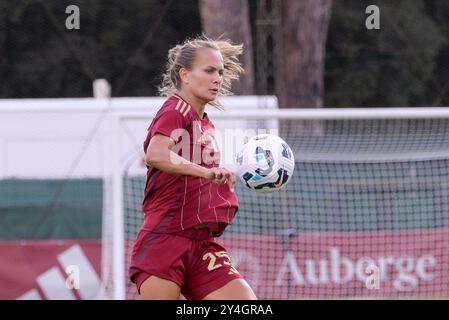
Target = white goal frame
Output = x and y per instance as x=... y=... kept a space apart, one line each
x=118 y=116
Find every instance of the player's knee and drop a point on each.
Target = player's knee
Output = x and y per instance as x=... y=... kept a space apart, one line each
x=252 y=296
x=248 y=294
x=155 y=288
x=235 y=290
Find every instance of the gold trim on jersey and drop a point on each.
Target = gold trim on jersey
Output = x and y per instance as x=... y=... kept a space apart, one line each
x=183 y=107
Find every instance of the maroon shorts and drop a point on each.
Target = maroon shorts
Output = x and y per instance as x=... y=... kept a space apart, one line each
x=190 y=258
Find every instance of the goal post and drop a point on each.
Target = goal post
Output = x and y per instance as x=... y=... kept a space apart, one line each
x=366 y=213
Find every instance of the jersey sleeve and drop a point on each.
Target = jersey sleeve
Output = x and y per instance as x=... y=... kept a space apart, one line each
x=170 y=123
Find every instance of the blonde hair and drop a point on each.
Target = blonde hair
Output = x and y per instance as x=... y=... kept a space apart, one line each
x=183 y=55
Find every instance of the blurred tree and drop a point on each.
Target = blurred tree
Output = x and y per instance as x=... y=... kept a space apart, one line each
x=438 y=93
x=405 y=63
x=230 y=19
x=304 y=33
x=125 y=42
x=393 y=66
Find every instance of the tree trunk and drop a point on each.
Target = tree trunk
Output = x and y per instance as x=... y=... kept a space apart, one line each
x=304 y=33
x=230 y=18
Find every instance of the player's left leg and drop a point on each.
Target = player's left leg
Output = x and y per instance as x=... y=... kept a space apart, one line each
x=212 y=275
x=155 y=288
x=237 y=289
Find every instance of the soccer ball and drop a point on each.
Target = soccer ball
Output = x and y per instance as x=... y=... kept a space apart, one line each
x=265 y=163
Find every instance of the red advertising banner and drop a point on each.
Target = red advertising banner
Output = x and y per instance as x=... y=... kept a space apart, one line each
x=56 y=269
x=312 y=265
x=345 y=265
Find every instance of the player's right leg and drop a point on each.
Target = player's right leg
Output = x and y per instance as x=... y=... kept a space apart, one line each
x=155 y=288
x=237 y=289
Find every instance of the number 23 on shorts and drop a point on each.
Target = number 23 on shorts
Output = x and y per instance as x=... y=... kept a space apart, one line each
x=213 y=264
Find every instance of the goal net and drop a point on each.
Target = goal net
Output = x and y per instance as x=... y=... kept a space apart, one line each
x=365 y=215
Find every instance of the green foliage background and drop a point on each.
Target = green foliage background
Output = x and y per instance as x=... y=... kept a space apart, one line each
x=405 y=63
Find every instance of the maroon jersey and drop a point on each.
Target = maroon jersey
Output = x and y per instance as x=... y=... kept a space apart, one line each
x=174 y=203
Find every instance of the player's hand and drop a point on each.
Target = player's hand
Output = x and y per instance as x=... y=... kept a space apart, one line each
x=221 y=176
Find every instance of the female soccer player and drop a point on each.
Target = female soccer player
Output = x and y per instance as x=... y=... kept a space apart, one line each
x=189 y=200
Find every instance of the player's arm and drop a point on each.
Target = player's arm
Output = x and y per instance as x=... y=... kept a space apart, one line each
x=159 y=155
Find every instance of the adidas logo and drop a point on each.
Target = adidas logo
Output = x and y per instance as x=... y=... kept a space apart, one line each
x=80 y=280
